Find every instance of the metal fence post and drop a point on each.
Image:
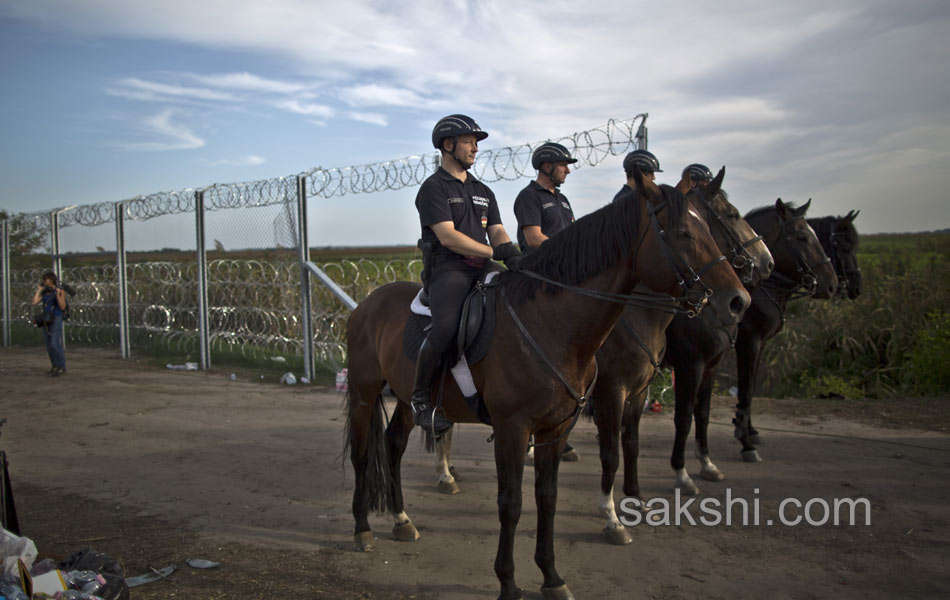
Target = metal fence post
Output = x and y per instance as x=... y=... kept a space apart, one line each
x=306 y=300
x=642 y=133
x=204 y=348
x=57 y=258
x=122 y=283
x=54 y=243
x=5 y=286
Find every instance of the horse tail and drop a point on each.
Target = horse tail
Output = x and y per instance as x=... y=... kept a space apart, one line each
x=370 y=457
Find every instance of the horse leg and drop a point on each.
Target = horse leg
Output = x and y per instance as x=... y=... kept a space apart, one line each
x=630 y=441
x=510 y=447
x=687 y=384
x=707 y=470
x=547 y=459
x=748 y=355
x=443 y=467
x=397 y=437
x=367 y=449
x=608 y=414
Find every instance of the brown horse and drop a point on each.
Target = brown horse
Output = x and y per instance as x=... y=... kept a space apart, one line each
x=533 y=376
x=839 y=242
x=633 y=352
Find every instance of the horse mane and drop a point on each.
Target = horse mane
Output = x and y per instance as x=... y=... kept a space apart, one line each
x=592 y=244
x=823 y=229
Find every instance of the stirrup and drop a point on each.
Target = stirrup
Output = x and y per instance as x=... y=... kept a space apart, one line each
x=426 y=418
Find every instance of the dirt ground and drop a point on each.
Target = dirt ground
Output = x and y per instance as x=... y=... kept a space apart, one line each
x=154 y=467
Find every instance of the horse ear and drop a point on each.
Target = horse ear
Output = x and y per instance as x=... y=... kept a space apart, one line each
x=685 y=183
x=781 y=208
x=852 y=215
x=716 y=184
x=804 y=208
x=652 y=190
x=645 y=187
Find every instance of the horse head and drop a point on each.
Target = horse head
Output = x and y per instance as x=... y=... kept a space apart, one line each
x=694 y=265
x=798 y=254
x=844 y=253
x=746 y=250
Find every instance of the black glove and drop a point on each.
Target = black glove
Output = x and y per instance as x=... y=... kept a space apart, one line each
x=504 y=251
x=513 y=263
x=509 y=253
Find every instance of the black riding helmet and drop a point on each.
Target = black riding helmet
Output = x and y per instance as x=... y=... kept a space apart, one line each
x=551 y=152
x=643 y=159
x=698 y=172
x=453 y=126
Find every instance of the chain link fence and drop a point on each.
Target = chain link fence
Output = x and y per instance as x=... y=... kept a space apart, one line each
x=171 y=275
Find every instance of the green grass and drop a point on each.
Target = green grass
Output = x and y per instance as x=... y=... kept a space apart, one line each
x=893 y=340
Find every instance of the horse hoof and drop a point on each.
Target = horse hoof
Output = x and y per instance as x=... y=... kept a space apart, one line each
x=711 y=473
x=406 y=532
x=454 y=473
x=557 y=593
x=571 y=456
x=448 y=487
x=687 y=488
x=618 y=536
x=751 y=456
x=364 y=541
x=754 y=439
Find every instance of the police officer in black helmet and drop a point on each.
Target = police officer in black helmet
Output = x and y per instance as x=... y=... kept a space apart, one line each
x=646 y=162
x=541 y=209
x=698 y=173
x=462 y=232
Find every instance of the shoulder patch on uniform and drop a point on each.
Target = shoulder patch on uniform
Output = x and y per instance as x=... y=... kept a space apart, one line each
x=548 y=205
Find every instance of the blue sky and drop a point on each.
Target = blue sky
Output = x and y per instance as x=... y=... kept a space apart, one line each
x=846 y=103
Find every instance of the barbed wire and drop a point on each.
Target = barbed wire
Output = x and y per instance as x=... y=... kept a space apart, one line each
x=590 y=147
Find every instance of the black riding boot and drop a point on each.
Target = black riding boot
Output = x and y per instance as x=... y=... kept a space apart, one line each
x=422 y=409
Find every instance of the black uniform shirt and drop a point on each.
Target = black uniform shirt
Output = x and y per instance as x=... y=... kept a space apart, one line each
x=540 y=207
x=470 y=206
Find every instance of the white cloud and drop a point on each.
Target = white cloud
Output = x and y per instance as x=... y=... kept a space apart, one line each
x=251 y=160
x=249 y=82
x=176 y=135
x=140 y=89
x=374 y=94
x=309 y=109
x=371 y=118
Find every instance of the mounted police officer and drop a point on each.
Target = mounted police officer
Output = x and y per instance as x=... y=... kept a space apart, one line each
x=461 y=234
x=648 y=165
x=541 y=209
x=698 y=173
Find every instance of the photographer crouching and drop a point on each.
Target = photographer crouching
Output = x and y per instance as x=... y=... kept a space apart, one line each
x=50 y=320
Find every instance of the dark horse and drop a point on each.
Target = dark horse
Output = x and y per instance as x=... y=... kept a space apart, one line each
x=632 y=354
x=839 y=239
x=531 y=373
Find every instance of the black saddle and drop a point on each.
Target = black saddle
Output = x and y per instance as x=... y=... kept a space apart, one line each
x=475 y=333
x=476 y=325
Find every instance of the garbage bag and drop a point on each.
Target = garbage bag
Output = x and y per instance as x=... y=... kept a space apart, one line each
x=88 y=559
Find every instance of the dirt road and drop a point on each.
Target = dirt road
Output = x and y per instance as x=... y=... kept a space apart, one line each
x=155 y=466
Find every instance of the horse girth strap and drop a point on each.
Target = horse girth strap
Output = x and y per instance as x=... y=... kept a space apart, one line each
x=578 y=398
x=643 y=345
